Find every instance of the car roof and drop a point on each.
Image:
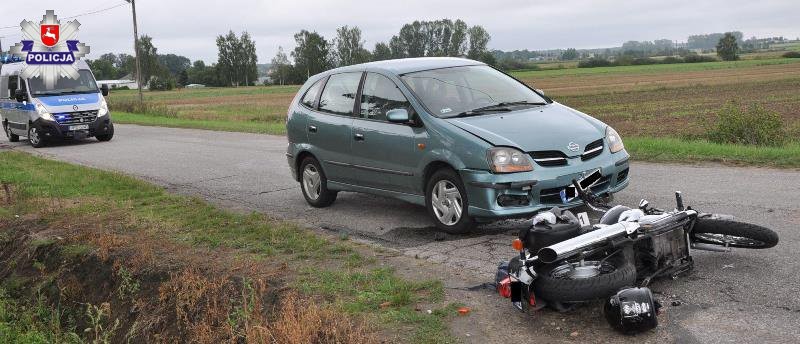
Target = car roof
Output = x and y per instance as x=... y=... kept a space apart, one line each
x=14 y=68
x=408 y=65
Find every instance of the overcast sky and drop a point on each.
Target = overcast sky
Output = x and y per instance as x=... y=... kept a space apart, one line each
x=189 y=27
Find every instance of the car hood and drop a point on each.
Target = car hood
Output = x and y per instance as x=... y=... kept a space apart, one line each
x=71 y=102
x=545 y=128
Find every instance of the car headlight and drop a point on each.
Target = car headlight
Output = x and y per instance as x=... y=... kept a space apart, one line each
x=614 y=140
x=103 y=108
x=43 y=113
x=507 y=160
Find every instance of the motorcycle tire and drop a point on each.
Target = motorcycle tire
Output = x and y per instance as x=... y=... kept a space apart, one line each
x=733 y=234
x=604 y=285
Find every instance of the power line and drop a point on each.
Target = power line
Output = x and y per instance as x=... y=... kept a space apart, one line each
x=75 y=16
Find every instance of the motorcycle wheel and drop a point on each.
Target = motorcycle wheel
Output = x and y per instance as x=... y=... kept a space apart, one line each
x=733 y=234
x=567 y=281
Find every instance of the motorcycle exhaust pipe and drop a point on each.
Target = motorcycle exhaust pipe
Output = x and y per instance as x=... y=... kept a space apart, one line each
x=709 y=247
x=579 y=243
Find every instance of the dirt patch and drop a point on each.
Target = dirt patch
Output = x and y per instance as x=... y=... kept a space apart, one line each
x=122 y=287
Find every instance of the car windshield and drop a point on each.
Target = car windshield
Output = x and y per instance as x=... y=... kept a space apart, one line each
x=469 y=90
x=84 y=84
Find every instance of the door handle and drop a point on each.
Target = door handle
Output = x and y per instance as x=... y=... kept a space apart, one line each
x=312 y=128
x=359 y=137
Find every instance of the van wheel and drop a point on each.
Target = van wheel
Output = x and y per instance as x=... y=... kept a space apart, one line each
x=108 y=135
x=314 y=184
x=11 y=136
x=447 y=202
x=35 y=137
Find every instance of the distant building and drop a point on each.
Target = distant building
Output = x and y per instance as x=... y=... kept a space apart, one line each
x=195 y=86
x=119 y=83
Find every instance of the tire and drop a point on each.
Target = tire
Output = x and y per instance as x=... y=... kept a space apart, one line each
x=612 y=215
x=35 y=136
x=576 y=290
x=315 y=188
x=444 y=214
x=108 y=135
x=11 y=136
x=711 y=231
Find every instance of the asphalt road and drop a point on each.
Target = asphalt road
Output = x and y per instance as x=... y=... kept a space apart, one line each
x=743 y=296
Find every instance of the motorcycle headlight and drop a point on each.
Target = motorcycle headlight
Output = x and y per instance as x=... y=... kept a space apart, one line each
x=103 y=108
x=614 y=140
x=507 y=160
x=43 y=113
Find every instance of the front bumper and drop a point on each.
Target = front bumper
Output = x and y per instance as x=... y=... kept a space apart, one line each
x=489 y=193
x=55 y=131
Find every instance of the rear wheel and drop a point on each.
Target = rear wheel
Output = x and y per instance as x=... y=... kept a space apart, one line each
x=35 y=137
x=11 y=136
x=733 y=234
x=575 y=281
x=447 y=203
x=314 y=184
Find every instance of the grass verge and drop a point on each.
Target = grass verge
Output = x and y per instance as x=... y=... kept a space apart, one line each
x=678 y=150
x=344 y=279
x=273 y=128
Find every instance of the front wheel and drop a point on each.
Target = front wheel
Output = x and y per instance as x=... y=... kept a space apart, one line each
x=314 y=184
x=447 y=202
x=733 y=234
x=108 y=135
x=35 y=137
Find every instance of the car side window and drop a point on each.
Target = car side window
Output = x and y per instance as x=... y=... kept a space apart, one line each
x=339 y=95
x=311 y=95
x=380 y=95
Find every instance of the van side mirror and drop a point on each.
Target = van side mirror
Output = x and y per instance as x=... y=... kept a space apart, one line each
x=104 y=90
x=397 y=116
x=20 y=95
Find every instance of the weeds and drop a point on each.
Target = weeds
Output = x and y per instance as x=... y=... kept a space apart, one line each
x=99 y=329
x=753 y=125
x=146 y=107
x=128 y=285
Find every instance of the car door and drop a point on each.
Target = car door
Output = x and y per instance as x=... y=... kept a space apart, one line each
x=330 y=126
x=14 y=111
x=384 y=153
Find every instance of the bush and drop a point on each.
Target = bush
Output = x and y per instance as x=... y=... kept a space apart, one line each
x=695 y=58
x=792 y=54
x=594 y=62
x=160 y=83
x=511 y=64
x=643 y=61
x=671 y=60
x=751 y=126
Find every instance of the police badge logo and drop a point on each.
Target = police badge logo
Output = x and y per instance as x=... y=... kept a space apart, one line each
x=50 y=50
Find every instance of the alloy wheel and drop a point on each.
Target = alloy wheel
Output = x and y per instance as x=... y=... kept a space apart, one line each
x=33 y=136
x=312 y=182
x=446 y=202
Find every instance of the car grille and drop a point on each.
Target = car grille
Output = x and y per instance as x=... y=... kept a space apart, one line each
x=592 y=150
x=552 y=195
x=80 y=117
x=549 y=158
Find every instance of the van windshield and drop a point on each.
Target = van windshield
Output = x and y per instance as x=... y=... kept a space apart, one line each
x=84 y=84
x=469 y=91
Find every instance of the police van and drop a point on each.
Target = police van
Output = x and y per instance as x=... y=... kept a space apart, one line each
x=73 y=109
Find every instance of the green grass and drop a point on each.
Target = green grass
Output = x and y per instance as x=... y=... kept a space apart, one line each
x=273 y=128
x=32 y=323
x=677 y=150
x=652 y=69
x=350 y=281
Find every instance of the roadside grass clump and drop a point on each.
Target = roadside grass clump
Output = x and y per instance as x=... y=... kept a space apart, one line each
x=792 y=54
x=753 y=125
x=32 y=323
x=145 y=107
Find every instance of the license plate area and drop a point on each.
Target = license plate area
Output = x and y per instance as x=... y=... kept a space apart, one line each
x=78 y=127
x=586 y=182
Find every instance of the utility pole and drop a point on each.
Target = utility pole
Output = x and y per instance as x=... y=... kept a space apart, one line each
x=136 y=49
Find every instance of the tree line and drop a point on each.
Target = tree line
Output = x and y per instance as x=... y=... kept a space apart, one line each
x=313 y=53
x=236 y=65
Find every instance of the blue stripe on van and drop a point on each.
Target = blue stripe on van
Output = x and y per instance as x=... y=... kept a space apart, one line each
x=70 y=99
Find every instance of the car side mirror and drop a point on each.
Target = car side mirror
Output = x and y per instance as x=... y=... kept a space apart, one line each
x=398 y=116
x=20 y=95
x=104 y=90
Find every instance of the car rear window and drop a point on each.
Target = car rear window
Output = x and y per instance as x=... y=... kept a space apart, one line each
x=339 y=95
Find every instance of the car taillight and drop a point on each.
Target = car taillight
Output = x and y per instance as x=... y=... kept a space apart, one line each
x=504 y=287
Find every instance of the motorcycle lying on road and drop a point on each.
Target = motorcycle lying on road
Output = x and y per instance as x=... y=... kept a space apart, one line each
x=564 y=260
